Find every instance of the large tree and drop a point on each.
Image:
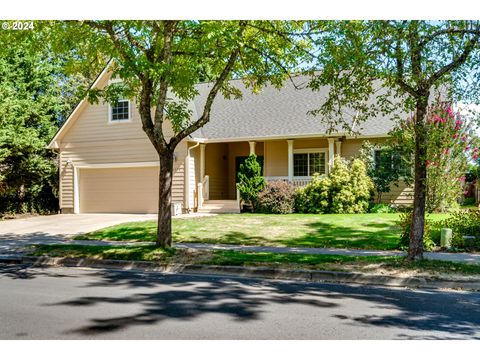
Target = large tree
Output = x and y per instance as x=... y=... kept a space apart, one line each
x=369 y=63
x=36 y=96
x=160 y=62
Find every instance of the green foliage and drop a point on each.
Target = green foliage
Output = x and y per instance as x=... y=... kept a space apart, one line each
x=251 y=181
x=451 y=143
x=381 y=209
x=347 y=189
x=161 y=62
x=386 y=165
x=152 y=56
x=405 y=223
x=36 y=97
x=410 y=61
x=314 y=198
x=277 y=197
x=463 y=223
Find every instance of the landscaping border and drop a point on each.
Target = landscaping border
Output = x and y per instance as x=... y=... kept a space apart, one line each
x=252 y=272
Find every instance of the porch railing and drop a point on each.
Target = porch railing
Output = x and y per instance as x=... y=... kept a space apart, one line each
x=203 y=191
x=296 y=182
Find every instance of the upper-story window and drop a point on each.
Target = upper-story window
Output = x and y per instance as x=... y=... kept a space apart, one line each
x=307 y=163
x=120 y=111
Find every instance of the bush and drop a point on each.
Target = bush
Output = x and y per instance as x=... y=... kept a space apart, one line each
x=314 y=198
x=462 y=223
x=251 y=181
x=277 y=197
x=345 y=190
x=382 y=209
x=405 y=222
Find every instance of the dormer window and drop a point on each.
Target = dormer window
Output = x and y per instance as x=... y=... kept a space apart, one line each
x=120 y=111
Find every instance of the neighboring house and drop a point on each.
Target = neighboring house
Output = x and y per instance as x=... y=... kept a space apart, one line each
x=107 y=163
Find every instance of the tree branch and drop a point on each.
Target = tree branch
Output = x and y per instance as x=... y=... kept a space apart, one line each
x=166 y=59
x=450 y=31
x=456 y=63
x=211 y=95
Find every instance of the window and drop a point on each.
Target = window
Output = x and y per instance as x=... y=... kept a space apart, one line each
x=309 y=163
x=120 y=111
x=387 y=160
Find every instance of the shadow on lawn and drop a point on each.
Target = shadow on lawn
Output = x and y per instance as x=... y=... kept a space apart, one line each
x=378 y=236
x=175 y=297
x=318 y=234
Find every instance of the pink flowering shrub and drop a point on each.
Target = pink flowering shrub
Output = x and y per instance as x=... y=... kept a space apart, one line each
x=451 y=144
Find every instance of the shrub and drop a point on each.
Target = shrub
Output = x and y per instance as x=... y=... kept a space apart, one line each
x=405 y=222
x=314 y=198
x=462 y=223
x=346 y=189
x=251 y=181
x=277 y=197
x=451 y=144
x=381 y=209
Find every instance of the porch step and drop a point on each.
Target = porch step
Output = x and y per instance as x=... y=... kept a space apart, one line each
x=220 y=207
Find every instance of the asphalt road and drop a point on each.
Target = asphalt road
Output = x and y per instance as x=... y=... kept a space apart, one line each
x=62 y=303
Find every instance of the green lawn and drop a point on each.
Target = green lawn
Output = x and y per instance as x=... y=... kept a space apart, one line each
x=356 y=231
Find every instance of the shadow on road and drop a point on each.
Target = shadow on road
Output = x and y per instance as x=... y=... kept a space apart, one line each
x=160 y=297
x=171 y=297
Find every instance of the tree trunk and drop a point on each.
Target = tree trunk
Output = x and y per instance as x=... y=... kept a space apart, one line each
x=415 y=249
x=164 y=226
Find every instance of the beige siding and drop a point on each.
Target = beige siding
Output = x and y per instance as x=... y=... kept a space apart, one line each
x=119 y=190
x=351 y=147
x=310 y=143
x=399 y=195
x=91 y=140
x=276 y=158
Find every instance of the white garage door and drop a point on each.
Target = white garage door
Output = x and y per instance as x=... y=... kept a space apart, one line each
x=119 y=190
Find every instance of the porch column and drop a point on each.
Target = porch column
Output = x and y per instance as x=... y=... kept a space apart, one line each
x=290 y=160
x=252 y=147
x=338 y=144
x=202 y=161
x=330 y=153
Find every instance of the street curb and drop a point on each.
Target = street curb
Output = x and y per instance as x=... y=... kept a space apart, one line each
x=252 y=272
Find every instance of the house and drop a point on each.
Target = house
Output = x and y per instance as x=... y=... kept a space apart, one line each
x=107 y=163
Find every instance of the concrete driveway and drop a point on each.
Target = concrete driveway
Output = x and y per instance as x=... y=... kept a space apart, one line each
x=50 y=229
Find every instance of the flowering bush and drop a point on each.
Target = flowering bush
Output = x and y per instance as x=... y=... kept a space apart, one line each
x=451 y=143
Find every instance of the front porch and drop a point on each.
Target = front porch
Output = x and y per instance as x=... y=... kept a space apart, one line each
x=213 y=166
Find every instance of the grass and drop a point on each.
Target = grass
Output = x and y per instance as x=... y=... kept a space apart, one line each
x=238 y=258
x=356 y=231
x=341 y=262
x=105 y=252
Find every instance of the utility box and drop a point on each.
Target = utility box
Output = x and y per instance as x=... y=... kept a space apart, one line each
x=445 y=238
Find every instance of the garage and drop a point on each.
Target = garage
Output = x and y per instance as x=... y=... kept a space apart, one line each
x=118 y=190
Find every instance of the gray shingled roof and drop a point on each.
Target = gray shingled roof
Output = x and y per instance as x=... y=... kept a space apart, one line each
x=273 y=113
